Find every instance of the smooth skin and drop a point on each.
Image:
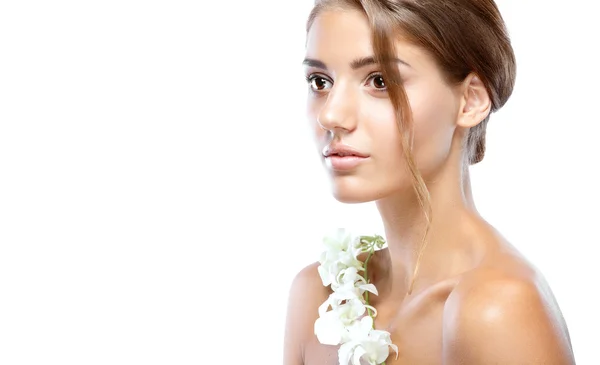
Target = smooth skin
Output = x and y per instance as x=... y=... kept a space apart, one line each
x=476 y=300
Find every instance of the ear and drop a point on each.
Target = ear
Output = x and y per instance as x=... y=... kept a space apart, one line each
x=475 y=104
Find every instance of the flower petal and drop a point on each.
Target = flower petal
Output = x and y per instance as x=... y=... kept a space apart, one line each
x=370 y=288
x=359 y=351
x=345 y=352
x=329 y=329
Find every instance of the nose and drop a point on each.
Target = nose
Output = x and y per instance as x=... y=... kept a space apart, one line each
x=339 y=109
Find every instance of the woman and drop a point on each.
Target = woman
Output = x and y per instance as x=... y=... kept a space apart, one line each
x=400 y=95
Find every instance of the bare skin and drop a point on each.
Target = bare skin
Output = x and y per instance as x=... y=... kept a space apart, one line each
x=475 y=299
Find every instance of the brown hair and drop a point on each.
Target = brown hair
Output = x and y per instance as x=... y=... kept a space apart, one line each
x=463 y=36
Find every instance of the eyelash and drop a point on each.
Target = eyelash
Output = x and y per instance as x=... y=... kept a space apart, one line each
x=311 y=77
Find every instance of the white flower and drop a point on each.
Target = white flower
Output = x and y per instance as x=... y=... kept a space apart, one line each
x=351 y=287
x=350 y=280
x=342 y=317
x=366 y=343
x=331 y=327
x=340 y=239
x=339 y=254
x=334 y=263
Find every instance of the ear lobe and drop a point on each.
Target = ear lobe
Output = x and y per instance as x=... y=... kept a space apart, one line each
x=476 y=102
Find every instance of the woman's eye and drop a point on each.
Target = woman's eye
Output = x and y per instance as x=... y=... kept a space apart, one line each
x=318 y=83
x=378 y=82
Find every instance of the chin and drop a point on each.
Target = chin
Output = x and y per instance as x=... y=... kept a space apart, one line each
x=354 y=190
x=350 y=198
x=354 y=193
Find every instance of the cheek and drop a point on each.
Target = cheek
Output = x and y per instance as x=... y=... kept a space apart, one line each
x=385 y=138
x=434 y=115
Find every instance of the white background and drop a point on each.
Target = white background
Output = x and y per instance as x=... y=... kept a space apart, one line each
x=159 y=188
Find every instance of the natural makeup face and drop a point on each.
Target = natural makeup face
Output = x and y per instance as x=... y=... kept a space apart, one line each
x=353 y=119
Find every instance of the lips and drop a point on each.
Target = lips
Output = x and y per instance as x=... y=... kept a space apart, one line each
x=343 y=154
x=342 y=150
x=340 y=157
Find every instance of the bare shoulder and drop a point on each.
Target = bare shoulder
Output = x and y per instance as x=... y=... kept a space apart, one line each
x=306 y=294
x=503 y=312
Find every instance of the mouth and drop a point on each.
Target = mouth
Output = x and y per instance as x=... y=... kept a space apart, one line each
x=341 y=157
x=344 y=161
x=344 y=154
x=341 y=150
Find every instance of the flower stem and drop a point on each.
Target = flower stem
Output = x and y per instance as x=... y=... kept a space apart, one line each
x=371 y=251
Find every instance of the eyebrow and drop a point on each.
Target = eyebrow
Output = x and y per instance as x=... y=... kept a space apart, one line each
x=355 y=65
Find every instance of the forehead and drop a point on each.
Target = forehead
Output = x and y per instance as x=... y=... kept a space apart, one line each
x=336 y=31
x=339 y=35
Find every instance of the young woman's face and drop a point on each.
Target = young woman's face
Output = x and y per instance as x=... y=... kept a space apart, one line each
x=348 y=107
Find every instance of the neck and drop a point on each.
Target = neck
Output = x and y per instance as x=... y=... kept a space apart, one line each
x=405 y=225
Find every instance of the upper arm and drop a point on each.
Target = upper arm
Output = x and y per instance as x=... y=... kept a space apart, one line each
x=301 y=314
x=503 y=321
